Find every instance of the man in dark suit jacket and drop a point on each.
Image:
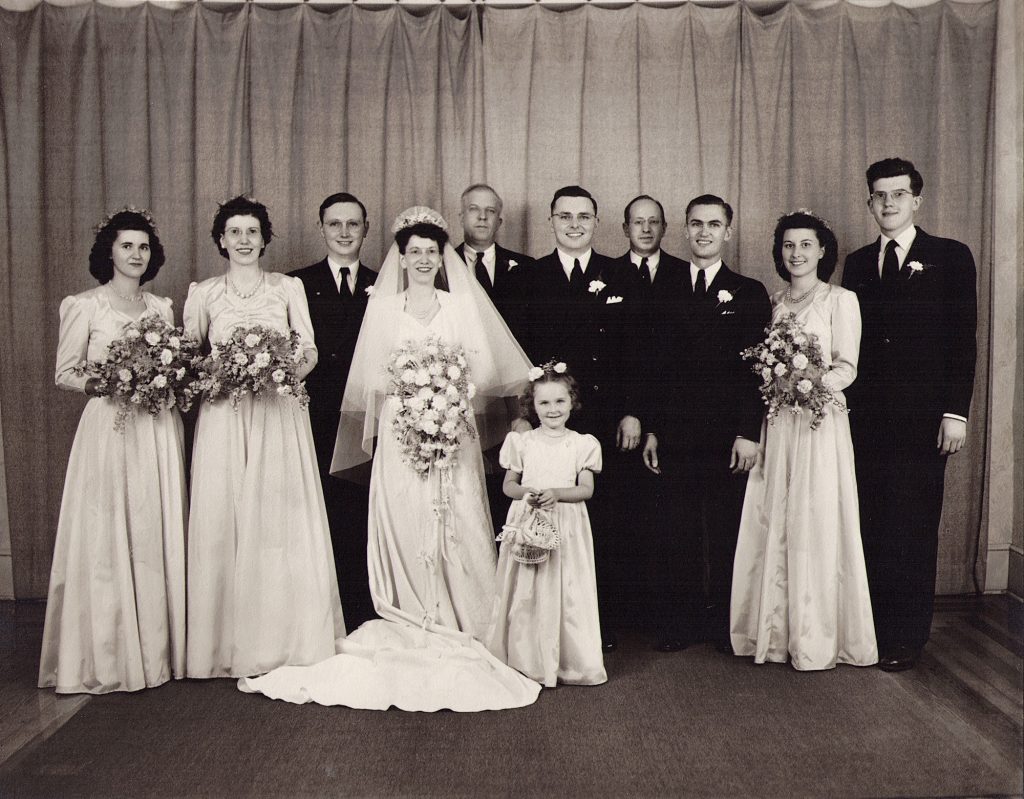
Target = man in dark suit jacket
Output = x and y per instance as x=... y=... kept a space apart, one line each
x=502 y=274
x=909 y=404
x=577 y=314
x=336 y=291
x=654 y=285
x=705 y=412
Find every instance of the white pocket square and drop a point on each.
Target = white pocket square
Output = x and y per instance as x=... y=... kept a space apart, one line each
x=612 y=300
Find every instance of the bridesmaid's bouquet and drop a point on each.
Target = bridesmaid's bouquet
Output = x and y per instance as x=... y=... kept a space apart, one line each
x=150 y=367
x=255 y=360
x=791 y=367
x=431 y=382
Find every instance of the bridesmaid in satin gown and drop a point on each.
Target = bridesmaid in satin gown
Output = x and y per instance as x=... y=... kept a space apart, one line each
x=115 y=611
x=800 y=589
x=262 y=590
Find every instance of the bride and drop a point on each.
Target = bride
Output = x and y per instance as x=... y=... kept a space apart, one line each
x=430 y=544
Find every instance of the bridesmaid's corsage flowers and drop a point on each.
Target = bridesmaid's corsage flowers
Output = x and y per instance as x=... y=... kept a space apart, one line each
x=149 y=367
x=792 y=369
x=255 y=360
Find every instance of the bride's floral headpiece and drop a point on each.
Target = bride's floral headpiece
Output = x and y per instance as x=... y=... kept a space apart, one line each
x=416 y=215
x=128 y=209
x=551 y=367
x=810 y=213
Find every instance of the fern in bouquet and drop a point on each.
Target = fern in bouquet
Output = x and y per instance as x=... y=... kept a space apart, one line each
x=431 y=382
x=255 y=360
x=149 y=367
x=791 y=367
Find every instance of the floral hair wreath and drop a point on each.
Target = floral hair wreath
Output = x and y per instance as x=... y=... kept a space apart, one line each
x=127 y=209
x=551 y=367
x=417 y=215
x=810 y=213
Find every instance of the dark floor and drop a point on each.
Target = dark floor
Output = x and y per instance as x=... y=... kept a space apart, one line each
x=694 y=723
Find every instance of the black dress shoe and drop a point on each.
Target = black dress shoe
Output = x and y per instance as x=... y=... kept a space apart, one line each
x=671 y=644
x=723 y=646
x=609 y=643
x=899 y=658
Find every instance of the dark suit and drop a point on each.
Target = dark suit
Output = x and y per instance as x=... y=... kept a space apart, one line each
x=701 y=397
x=584 y=329
x=917 y=360
x=336 y=318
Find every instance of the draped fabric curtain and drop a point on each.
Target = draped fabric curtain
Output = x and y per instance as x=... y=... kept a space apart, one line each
x=175 y=109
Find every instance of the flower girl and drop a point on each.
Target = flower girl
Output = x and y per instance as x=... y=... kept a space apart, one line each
x=546 y=623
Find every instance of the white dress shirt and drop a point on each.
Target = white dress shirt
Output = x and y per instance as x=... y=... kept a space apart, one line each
x=709 y=274
x=490 y=257
x=567 y=261
x=652 y=261
x=903 y=242
x=336 y=271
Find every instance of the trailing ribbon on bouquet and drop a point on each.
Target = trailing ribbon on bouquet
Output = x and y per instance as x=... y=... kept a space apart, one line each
x=437 y=537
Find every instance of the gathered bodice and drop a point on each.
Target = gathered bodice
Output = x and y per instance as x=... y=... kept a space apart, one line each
x=833 y=315
x=546 y=462
x=88 y=324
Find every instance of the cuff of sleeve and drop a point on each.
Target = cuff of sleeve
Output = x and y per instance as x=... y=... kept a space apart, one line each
x=955 y=416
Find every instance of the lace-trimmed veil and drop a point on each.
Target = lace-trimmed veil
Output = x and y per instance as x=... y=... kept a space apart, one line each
x=497 y=363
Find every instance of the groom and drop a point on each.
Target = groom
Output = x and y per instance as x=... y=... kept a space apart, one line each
x=705 y=412
x=909 y=404
x=336 y=292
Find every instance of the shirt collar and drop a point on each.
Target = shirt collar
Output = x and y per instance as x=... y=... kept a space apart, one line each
x=903 y=240
x=652 y=260
x=490 y=254
x=709 y=273
x=567 y=260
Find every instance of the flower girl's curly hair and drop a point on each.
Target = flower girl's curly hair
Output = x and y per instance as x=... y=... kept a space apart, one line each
x=550 y=372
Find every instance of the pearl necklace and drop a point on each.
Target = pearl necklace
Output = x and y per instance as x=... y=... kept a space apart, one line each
x=421 y=314
x=546 y=434
x=802 y=297
x=126 y=298
x=239 y=294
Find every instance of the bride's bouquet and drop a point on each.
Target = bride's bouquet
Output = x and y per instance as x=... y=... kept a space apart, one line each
x=255 y=360
x=791 y=367
x=431 y=382
x=150 y=368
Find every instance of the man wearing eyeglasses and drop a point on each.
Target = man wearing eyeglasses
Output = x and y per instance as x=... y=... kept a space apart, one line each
x=910 y=402
x=578 y=313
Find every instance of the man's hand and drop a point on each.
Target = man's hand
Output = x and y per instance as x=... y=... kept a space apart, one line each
x=627 y=438
x=744 y=455
x=520 y=425
x=952 y=434
x=651 y=453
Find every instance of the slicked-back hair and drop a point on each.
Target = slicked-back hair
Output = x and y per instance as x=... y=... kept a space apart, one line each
x=341 y=197
x=826 y=238
x=573 y=191
x=101 y=257
x=710 y=199
x=638 y=198
x=894 y=168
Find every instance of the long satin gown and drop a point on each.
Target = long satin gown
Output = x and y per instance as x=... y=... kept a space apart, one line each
x=546 y=620
x=800 y=589
x=432 y=585
x=115 y=610
x=262 y=591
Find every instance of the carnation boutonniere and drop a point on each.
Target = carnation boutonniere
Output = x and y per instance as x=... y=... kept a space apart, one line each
x=512 y=265
x=915 y=267
x=724 y=296
x=612 y=300
x=596 y=286
x=369 y=291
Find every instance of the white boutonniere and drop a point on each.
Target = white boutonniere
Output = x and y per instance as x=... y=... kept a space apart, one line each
x=512 y=265
x=612 y=300
x=596 y=286
x=369 y=291
x=724 y=296
x=915 y=267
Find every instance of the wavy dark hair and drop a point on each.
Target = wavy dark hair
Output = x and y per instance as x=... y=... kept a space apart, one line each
x=241 y=206
x=573 y=191
x=550 y=376
x=101 y=256
x=826 y=238
x=425 y=230
x=894 y=168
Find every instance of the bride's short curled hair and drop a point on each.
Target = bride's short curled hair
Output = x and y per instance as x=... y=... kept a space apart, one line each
x=425 y=230
x=526 y=408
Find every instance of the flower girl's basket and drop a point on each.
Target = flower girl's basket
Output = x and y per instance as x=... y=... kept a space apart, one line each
x=532 y=539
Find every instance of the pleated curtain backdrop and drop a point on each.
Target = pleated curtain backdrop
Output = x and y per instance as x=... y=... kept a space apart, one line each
x=175 y=109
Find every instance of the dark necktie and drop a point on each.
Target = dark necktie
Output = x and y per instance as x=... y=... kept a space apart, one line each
x=890 y=265
x=576 y=279
x=645 y=272
x=481 y=272
x=700 y=289
x=343 y=289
